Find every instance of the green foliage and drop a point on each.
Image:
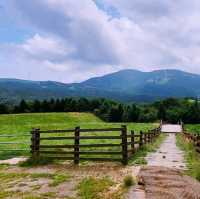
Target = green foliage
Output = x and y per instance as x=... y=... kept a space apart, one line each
x=193 y=128
x=59 y=178
x=191 y=156
x=192 y=115
x=139 y=157
x=171 y=109
x=129 y=181
x=92 y=188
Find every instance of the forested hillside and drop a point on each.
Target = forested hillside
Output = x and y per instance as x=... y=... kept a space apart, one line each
x=171 y=109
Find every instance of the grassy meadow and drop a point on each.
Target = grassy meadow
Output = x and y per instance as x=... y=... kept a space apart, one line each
x=21 y=125
x=193 y=128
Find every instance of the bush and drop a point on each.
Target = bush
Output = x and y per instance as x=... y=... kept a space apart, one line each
x=129 y=181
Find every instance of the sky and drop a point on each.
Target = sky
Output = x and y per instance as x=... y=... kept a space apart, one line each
x=73 y=40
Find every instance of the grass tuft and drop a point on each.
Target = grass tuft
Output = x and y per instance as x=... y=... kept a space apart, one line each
x=139 y=157
x=92 y=188
x=59 y=179
x=129 y=181
x=191 y=156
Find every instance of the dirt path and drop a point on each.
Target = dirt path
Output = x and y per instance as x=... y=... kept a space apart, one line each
x=163 y=177
x=168 y=155
x=167 y=183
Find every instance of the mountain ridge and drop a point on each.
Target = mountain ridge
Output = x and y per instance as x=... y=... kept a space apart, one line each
x=124 y=85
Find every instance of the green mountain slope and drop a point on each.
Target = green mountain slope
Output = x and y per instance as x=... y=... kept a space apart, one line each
x=125 y=85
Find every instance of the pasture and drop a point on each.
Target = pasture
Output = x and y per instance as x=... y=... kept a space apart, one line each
x=193 y=128
x=88 y=181
x=20 y=125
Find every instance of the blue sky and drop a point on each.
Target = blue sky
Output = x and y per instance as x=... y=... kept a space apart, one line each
x=70 y=41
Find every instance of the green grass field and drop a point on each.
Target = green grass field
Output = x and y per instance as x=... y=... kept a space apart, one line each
x=21 y=125
x=193 y=128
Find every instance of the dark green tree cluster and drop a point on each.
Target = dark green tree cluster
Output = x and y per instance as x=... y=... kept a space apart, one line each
x=171 y=109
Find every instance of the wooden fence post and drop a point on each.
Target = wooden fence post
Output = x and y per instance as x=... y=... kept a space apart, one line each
x=124 y=145
x=76 y=144
x=145 y=138
x=141 y=139
x=133 y=141
x=35 y=143
x=32 y=143
x=148 y=137
x=151 y=137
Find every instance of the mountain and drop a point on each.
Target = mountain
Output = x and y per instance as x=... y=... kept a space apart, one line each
x=125 y=85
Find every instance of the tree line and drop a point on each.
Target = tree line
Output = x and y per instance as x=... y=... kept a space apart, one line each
x=171 y=109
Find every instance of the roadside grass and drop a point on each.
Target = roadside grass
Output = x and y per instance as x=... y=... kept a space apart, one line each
x=138 y=157
x=92 y=188
x=25 y=195
x=10 y=179
x=191 y=156
x=21 y=125
x=57 y=178
x=30 y=162
x=193 y=128
x=129 y=181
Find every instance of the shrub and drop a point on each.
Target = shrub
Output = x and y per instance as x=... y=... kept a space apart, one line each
x=129 y=181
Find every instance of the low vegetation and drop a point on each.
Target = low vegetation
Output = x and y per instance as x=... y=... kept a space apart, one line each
x=193 y=128
x=129 y=181
x=139 y=157
x=191 y=156
x=20 y=125
x=27 y=185
x=91 y=188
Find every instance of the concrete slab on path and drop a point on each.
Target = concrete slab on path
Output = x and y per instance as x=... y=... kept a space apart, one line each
x=171 y=128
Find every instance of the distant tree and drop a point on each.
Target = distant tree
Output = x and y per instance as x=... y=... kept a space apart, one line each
x=148 y=114
x=45 y=106
x=161 y=111
x=23 y=107
x=52 y=105
x=94 y=104
x=126 y=114
x=192 y=114
x=73 y=105
x=58 y=106
x=4 y=109
x=173 y=115
x=83 y=105
x=131 y=113
x=134 y=113
x=116 y=113
x=36 y=106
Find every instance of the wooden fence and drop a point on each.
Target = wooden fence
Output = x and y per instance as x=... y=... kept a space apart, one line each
x=104 y=147
x=194 y=138
x=15 y=143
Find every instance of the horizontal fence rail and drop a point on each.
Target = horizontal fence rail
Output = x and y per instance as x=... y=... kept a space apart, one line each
x=14 y=144
x=109 y=147
x=194 y=138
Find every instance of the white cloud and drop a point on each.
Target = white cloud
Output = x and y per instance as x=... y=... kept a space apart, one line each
x=83 y=39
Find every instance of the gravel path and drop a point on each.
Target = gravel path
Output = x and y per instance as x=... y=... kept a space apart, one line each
x=168 y=155
x=163 y=177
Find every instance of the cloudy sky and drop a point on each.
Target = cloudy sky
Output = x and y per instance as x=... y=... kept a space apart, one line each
x=72 y=40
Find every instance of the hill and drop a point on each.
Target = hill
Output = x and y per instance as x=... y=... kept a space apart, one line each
x=125 y=85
